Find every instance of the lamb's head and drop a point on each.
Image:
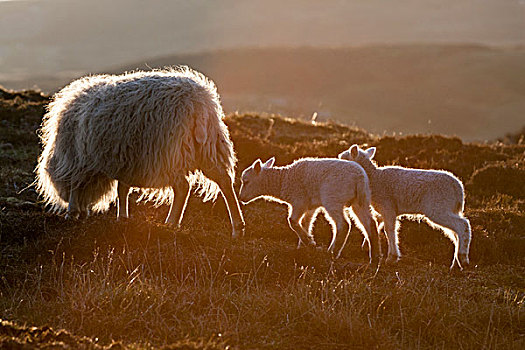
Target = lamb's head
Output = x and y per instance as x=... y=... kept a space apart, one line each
x=358 y=155
x=253 y=180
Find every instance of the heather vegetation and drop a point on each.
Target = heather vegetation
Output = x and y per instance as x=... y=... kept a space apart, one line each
x=139 y=283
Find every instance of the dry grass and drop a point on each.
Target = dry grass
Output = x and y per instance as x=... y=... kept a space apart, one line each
x=140 y=284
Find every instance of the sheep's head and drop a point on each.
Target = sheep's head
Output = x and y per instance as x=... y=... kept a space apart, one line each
x=252 y=180
x=357 y=154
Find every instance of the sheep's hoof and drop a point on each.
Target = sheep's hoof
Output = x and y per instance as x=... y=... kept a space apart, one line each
x=464 y=260
x=238 y=231
x=311 y=243
x=307 y=243
x=374 y=264
x=72 y=215
x=392 y=259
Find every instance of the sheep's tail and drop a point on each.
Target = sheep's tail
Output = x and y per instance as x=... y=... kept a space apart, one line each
x=363 y=191
x=54 y=194
x=459 y=206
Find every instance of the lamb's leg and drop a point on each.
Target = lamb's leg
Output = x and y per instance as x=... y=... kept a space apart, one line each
x=182 y=192
x=380 y=227
x=390 y=222
x=460 y=226
x=73 y=210
x=123 y=192
x=464 y=247
x=225 y=183
x=369 y=224
x=342 y=229
x=293 y=220
x=307 y=223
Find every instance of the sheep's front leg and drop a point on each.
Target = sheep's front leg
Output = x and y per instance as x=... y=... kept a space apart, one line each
x=390 y=225
x=182 y=192
x=341 y=230
x=234 y=209
x=225 y=183
x=123 y=192
x=294 y=222
x=306 y=224
x=73 y=211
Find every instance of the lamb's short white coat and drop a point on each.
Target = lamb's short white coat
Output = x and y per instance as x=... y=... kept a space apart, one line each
x=158 y=131
x=311 y=184
x=435 y=195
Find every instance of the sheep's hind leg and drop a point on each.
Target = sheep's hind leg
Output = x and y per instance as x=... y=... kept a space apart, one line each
x=182 y=192
x=460 y=227
x=123 y=192
x=294 y=222
x=369 y=224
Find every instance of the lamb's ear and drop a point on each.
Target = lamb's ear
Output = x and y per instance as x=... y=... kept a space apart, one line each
x=269 y=162
x=370 y=152
x=354 y=151
x=257 y=165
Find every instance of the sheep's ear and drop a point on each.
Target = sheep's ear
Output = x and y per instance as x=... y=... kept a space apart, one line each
x=354 y=151
x=371 y=152
x=269 y=162
x=257 y=165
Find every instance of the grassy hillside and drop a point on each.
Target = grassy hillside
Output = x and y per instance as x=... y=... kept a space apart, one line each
x=99 y=283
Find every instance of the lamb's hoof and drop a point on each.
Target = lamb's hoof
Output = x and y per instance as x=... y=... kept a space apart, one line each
x=171 y=225
x=307 y=244
x=392 y=260
x=311 y=244
x=374 y=264
x=238 y=231
x=464 y=260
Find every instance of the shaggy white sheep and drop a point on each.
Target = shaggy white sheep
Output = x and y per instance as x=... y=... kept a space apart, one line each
x=436 y=195
x=160 y=131
x=309 y=184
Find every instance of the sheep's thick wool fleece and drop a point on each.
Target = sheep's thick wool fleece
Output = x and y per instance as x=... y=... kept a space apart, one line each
x=414 y=191
x=146 y=129
x=318 y=181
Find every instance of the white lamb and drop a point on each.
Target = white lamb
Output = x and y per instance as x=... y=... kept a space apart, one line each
x=436 y=195
x=309 y=184
x=160 y=132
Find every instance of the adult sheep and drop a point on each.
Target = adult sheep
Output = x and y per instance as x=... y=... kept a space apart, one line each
x=160 y=131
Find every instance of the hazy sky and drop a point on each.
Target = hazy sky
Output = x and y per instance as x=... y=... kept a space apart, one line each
x=45 y=36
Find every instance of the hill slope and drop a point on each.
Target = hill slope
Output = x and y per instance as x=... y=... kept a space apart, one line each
x=143 y=284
